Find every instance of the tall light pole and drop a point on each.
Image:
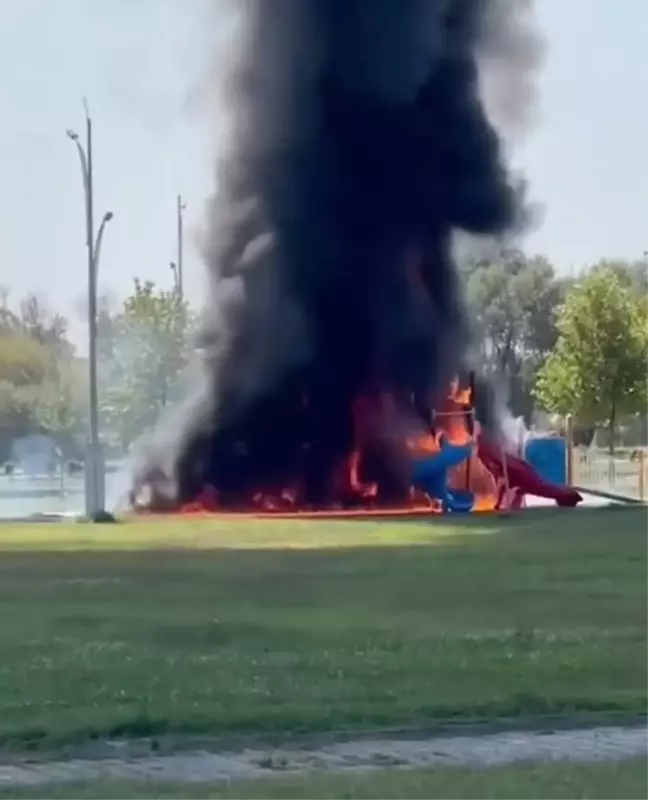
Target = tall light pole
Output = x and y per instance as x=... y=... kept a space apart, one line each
x=94 y=471
x=174 y=269
x=180 y=207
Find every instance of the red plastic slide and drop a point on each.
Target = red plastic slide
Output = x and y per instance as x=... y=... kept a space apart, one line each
x=523 y=477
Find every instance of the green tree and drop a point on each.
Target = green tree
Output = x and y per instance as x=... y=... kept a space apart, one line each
x=513 y=300
x=597 y=371
x=16 y=403
x=23 y=361
x=632 y=274
x=23 y=367
x=149 y=349
x=39 y=322
x=106 y=322
x=37 y=390
x=59 y=403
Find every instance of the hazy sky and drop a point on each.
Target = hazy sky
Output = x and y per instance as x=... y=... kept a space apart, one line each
x=137 y=62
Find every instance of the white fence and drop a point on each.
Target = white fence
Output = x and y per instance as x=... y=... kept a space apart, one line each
x=624 y=474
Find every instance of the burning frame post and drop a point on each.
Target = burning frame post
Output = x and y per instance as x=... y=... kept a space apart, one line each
x=94 y=495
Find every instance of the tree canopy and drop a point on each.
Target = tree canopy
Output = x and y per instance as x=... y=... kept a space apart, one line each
x=39 y=390
x=513 y=300
x=145 y=347
x=597 y=371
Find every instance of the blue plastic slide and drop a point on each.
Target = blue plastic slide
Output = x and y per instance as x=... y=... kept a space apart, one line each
x=430 y=475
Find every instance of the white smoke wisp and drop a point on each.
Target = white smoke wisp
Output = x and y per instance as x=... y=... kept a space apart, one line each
x=514 y=432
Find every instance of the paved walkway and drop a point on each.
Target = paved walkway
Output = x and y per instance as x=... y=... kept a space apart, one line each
x=593 y=745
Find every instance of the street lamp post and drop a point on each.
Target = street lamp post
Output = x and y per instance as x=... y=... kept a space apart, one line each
x=178 y=270
x=94 y=472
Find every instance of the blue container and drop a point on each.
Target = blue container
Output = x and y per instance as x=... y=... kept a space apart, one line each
x=548 y=458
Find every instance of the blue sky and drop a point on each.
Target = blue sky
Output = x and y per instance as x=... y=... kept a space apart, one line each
x=138 y=62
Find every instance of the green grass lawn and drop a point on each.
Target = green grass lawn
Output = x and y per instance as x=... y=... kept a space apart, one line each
x=224 y=627
x=625 y=781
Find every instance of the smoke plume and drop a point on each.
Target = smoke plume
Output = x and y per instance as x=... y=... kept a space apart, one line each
x=357 y=143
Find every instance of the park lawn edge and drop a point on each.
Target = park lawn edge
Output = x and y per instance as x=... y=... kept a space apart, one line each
x=524 y=709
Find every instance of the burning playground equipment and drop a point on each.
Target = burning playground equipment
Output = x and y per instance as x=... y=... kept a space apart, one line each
x=448 y=466
x=355 y=143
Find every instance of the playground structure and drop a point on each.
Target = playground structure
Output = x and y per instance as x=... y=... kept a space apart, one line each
x=462 y=450
x=514 y=478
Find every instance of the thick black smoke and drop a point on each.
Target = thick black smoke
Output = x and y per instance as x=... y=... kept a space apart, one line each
x=357 y=144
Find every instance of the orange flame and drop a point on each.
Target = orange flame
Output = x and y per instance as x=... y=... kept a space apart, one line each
x=378 y=419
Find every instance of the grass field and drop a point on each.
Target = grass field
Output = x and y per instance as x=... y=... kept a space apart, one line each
x=224 y=627
x=625 y=780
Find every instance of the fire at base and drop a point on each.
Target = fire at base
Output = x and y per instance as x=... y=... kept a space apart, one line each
x=450 y=466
